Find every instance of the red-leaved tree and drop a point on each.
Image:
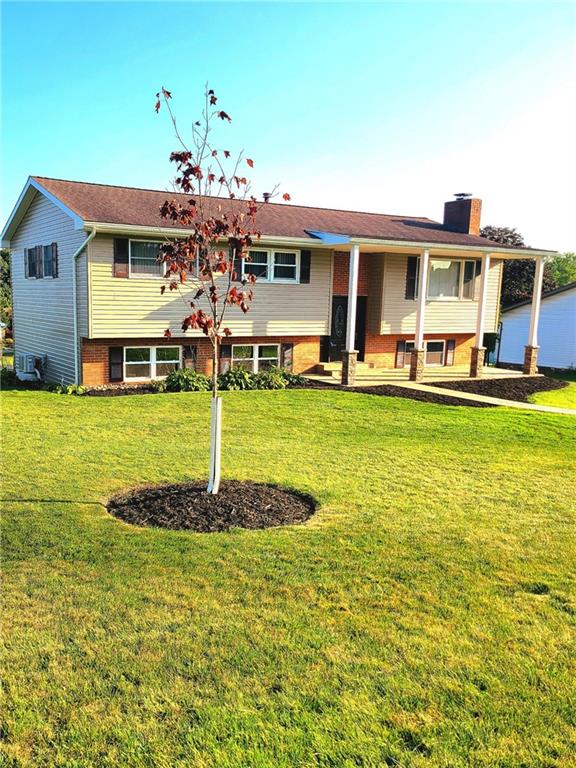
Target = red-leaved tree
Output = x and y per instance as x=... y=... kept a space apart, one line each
x=206 y=266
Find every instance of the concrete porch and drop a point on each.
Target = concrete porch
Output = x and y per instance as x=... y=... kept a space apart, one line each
x=370 y=376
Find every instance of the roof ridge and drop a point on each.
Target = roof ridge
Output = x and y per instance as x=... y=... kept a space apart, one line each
x=283 y=205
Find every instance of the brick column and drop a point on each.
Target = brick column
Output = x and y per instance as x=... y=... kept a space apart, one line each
x=477 y=362
x=417 y=365
x=349 y=367
x=530 y=360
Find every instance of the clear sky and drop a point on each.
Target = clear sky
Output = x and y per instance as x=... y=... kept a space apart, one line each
x=388 y=107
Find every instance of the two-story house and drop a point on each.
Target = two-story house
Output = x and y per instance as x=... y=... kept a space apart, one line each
x=391 y=291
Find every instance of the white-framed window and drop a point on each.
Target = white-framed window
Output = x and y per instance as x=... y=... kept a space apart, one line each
x=451 y=279
x=273 y=265
x=255 y=357
x=435 y=352
x=144 y=363
x=143 y=259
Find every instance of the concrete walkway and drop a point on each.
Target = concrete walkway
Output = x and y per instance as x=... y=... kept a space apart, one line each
x=483 y=398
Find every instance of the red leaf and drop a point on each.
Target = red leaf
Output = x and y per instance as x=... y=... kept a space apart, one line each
x=224 y=116
x=168 y=333
x=227 y=332
x=226 y=153
x=166 y=94
x=162 y=289
x=250 y=163
x=157 y=105
x=286 y=196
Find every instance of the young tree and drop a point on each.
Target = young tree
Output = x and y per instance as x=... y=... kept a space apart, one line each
x=518 y=275
x=207 y=266
x=5 y=288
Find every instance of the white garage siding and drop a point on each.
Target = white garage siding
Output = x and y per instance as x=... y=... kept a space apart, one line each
x=556 y=332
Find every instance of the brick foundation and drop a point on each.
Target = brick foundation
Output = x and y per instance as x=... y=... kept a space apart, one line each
x=417 y=364
x=477 y=355
x=349 y=367
x=380 y=351
x=530 y=367
x=95 y=360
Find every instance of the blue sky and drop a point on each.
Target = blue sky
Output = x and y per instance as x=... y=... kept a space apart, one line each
x=387 y=107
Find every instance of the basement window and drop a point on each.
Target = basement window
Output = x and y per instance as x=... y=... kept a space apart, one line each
x=145 y=363
x=255 y=357
x=435 y=353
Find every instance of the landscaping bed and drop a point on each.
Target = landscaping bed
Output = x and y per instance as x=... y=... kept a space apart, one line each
x=188 y=506
x=519 y=389
x=387 y=390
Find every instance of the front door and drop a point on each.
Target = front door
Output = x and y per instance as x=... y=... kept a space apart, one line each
x=338 y=329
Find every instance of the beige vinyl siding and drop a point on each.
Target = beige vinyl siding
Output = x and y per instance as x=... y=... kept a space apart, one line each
x=398 y=314
x=133 y=307
x=43 y=309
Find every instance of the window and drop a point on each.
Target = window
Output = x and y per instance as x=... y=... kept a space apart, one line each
x=434 y=352
x=452 y=279
x=444 y=279
x=142 y=363
x=143 y=259
x=273 y=266
x=255 y=357
x=41 y=261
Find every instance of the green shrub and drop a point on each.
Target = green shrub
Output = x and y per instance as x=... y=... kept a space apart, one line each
x=67 y=389
x=183 y=380
x=271 y=379
x=236 y=378
x=8 y=377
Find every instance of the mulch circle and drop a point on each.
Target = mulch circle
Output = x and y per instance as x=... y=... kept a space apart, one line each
x=518 y=389
x=188 y=506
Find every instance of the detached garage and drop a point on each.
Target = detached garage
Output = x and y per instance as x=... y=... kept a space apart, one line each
x=556 y=330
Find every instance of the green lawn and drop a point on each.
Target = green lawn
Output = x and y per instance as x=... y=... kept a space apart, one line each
x=424 y=617
x=562 y=398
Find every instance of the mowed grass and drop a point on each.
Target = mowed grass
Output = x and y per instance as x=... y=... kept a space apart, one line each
x=424 y=616
x=561 y=398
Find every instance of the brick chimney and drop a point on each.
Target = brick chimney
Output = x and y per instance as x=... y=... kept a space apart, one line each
x=463 y=214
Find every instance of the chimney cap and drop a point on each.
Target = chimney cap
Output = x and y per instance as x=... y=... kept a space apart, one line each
x=462 y=195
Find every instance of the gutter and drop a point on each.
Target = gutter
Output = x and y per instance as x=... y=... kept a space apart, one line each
x=75 y=316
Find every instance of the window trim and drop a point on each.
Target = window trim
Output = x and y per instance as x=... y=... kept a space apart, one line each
x=270 y=252
x=460 y=296
x=407 y=352
x=138 y=276
x=255 y=358
x=153 y=361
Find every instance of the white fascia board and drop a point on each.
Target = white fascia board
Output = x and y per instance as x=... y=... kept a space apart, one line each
x=22 y=205
x=513 y=253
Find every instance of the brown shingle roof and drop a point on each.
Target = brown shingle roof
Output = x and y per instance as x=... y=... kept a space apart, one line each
x=127 y=205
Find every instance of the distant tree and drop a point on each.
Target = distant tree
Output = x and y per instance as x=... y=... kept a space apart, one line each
x=563 y=268
x=5 y=288
x=518 y=276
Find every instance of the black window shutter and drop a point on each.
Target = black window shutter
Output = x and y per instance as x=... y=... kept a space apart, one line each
x=478 y=267
x=39 y=261
x=450 y=347
x=120 y=257
x=26 y=263
x=400 y=353
x=189 y=356
x=305 y=258
x=116 y=363
x=54 y=248
x=286 y=356
x=411 y=277
x=225 y=357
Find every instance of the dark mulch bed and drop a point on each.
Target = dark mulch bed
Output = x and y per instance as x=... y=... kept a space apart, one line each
x=508 y=389
x=385 y=390
x=187 y=506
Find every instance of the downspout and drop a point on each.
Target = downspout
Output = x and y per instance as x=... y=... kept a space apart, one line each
x=75 y=317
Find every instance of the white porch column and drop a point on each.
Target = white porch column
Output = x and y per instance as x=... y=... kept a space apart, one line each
x=531 y=349
x=417 y=357
x=352 y=296
x=350 y=354
x=478 y=350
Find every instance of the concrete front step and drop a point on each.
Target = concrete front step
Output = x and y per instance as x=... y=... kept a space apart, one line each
x=332 y=368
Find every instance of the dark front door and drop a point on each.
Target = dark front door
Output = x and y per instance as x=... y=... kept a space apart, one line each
x=338 y=329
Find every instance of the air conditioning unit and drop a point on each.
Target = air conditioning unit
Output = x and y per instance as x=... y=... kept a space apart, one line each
x=29 y=366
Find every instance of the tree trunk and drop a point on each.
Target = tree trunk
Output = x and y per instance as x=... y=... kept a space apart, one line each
x=215 y=426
